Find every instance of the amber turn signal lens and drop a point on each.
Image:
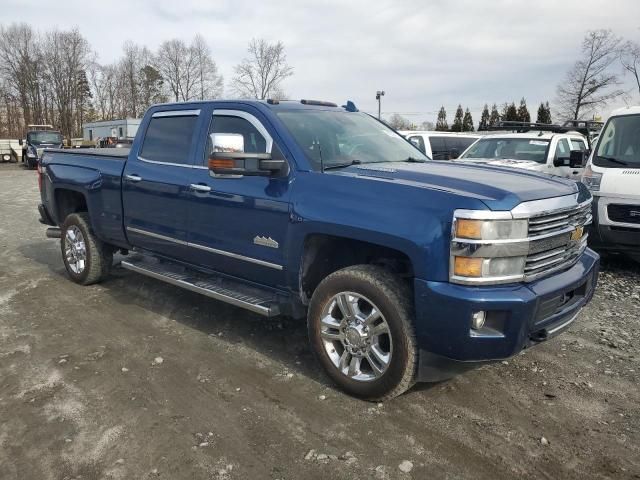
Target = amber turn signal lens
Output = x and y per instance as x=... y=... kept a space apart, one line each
x=221 y=163
x=466 y=228
x=467 y=267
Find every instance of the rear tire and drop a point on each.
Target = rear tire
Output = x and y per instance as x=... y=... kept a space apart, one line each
x=370 y=352
x=86 y=258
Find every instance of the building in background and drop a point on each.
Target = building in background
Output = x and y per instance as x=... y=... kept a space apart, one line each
x=125 y=128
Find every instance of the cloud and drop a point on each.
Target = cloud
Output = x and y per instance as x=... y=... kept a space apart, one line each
x=423 y=54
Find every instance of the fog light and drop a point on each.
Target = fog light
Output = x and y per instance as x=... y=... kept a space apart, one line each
x=477 y=319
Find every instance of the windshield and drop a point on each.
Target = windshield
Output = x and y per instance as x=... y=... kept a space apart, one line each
x=532 y=149
x=38 y=138
x=344 y=138
x=619 y=144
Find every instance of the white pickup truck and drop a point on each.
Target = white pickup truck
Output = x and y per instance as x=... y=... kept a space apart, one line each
x=613 y=176
x=545 y=149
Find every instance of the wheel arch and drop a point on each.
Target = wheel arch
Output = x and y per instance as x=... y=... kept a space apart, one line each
x=323 y=254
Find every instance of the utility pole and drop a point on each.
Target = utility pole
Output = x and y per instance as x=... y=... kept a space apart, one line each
x=379 y=95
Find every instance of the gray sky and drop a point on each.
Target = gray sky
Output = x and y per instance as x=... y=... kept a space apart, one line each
x=422 y=53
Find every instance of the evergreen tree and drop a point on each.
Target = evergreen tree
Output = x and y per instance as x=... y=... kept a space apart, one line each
x=494 y=118
x=523 y=111
x=456 y=126
x=467 y=122
x=484 y=119
x=441 y=123
x=509 y=113
x=544 y=113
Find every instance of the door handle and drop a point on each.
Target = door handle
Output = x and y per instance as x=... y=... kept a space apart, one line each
x=133 y=178
x=198 y=187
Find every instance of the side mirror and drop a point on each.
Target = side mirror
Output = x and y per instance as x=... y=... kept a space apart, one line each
x=255 y=164
x=561 y=162
x=578 y=158
x=20 y=142
x=454 y=153
x=229 y=158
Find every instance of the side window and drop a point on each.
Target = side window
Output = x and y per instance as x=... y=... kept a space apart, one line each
x=577 y=144
x=418 y=142
x=168 y=139
x=439 y=148
x=253 y=141
x=562 y=149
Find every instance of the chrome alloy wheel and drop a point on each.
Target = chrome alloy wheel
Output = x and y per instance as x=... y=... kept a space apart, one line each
x=75 y=249
x=356 y=336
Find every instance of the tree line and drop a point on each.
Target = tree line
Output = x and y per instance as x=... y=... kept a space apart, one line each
x=54 y=77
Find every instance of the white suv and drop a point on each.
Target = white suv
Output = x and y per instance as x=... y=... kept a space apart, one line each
x=540 y=151
x=440 y=145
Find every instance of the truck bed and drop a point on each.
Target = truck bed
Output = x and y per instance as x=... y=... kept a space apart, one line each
x=97 y=174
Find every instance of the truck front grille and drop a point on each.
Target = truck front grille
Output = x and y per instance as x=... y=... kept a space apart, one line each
x=623 y=213
x=556 y=240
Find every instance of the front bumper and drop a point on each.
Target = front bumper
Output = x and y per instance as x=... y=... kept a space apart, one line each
x=521 y=315
x=608 y=235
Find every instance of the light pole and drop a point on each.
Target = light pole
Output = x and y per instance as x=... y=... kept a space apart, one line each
x=379 y=95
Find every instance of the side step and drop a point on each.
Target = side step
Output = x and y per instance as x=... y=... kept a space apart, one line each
x=218 y=287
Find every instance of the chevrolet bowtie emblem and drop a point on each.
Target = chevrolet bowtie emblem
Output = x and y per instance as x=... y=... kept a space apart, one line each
x=265 y=241
x=577 y=234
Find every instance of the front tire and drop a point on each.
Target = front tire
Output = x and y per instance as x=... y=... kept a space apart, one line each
x=361 y=330
x=86 y=258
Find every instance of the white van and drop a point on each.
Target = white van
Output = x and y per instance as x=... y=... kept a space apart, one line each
x=540 y=151
x=613 y=176
x=440 y=145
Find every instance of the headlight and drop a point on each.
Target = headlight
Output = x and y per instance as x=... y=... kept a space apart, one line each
x=591 y=179
x=31 y=152
x=490 y=229
x=488 y=250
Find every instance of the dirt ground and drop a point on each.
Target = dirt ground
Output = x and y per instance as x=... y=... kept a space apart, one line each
x=135 y=379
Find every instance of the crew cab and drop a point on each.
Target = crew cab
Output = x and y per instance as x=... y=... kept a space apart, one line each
x=539 y=148
x=405 y=269
x=613 y=176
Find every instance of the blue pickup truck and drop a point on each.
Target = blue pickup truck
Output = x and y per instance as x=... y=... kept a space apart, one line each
x=406 y=269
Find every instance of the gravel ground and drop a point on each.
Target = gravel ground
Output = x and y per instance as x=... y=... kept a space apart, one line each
x=133 y=378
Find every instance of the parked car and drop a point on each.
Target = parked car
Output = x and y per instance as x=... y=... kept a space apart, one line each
x=542 y=149
x=406 y=269
x=38 y=138
x=440 y=145
x=613 y=176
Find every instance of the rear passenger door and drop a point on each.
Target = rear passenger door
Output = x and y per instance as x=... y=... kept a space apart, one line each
x=156 y=184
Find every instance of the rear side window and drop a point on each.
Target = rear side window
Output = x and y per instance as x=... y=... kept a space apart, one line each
x=439 y=148
x=462 y=143
x=168 y=139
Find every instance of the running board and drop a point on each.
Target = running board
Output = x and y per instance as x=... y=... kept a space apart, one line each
x=217 y=287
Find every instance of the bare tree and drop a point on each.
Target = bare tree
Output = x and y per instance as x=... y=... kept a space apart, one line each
x=210 y=82
x=630 y=59
x=170 y=62
x=590 y=82
x=260 y=74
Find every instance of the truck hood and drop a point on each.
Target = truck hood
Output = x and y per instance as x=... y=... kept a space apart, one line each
x=500 y=188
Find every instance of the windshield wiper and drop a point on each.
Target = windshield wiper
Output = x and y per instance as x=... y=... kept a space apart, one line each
x=413 y=160
x=343 y=165
x=613 y=160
